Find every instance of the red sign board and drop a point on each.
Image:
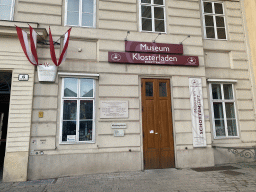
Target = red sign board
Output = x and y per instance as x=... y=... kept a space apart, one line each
x=146 y=47
x=146 y=58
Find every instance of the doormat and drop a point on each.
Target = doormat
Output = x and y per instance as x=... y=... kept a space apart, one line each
x=219 y=168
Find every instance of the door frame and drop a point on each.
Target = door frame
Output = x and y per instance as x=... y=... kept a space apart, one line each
x=172 y=110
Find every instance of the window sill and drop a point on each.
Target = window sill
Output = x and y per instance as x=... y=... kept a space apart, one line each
x=77 y=143
x=91 y=27
x=230 y=137
x=153 y=32
x=215 y=39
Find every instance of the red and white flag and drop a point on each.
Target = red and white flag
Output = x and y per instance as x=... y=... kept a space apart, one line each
x=64 y=51
x=23 y=37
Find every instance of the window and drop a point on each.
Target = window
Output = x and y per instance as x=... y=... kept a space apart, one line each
x=78 y=119
x=80 y=13
x=152 y=15
x=214 y=20
x=6 y=9
x=223 y=110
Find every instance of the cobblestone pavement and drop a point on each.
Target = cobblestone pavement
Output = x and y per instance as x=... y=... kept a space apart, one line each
x=241 y=179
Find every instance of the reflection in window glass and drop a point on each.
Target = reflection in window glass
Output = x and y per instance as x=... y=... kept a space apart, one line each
x=69 y=128
x=149 y=89
x=218 y=8
x=146 y=24
x=146 y=11
x=159 y=25
x=231 y=127
x=228 y=93
x=220 y=128
x=85 y=131
x=216 y=91
x=86 y=88
x=207 y=7
x=70 y=87
x=69 y=110
x=159 y=2
x=162 y=90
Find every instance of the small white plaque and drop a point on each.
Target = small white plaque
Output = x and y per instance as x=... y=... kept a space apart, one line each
x=118 y=125
x=47 y=73
x=113 y=109
x=71 y=138
x=23 y=77
x=119 y=133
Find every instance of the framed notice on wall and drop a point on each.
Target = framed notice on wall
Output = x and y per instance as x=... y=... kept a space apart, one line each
x=113 y=109
x=197 y=112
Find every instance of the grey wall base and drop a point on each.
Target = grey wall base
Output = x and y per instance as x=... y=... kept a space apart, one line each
x=53 y=166
x=222 y=156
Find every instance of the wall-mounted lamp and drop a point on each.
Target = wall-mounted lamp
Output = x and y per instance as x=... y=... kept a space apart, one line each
x=128 y=32
x=156 y=37
x=185 y=39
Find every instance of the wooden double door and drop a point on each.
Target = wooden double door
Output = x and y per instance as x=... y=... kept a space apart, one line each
x=158 y=144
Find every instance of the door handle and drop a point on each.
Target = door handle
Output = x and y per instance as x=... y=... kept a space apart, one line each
x=156 y=133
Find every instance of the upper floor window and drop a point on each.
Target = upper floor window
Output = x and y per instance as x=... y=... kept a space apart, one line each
x=223 y=110
x=152 y=16
x=80 y=13
x=6 y=9
x=214 y=20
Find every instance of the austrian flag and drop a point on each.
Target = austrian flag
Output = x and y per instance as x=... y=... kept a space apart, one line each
x=64 y=51
x=23 y=37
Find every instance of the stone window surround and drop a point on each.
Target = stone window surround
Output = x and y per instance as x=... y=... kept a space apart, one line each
x=221 y=82
x=80 y=15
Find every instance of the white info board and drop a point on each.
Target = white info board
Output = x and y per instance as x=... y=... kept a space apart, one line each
x=113 y=109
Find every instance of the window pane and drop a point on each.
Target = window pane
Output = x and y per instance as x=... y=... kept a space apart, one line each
x=210 y=32
x=73 y=5
x=87 y=19
x=146 y=1
x=218 y=111
x=220 y=21
x=146 y=11
x=216 y=91
x=232 y=128
x=72 y=18
x=86 y=110
x=85 y=131
x=70 y=87
x=159 y=12
x=228 y=93
x=86 y=88
x=146 y=24
x=159 y=24
x=209 y=20
x=69 y=128
x=69 y=110
x=159 y=2
x=221 y=33
x=218 y=8
x=5 y=12
x=220 y=128
x=87 y=6
x=149 y=89
x=5 y=2
x=207 y=7
x=230 y=110
x=162 y=90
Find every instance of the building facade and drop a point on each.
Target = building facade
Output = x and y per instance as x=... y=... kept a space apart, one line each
x=103 y=114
